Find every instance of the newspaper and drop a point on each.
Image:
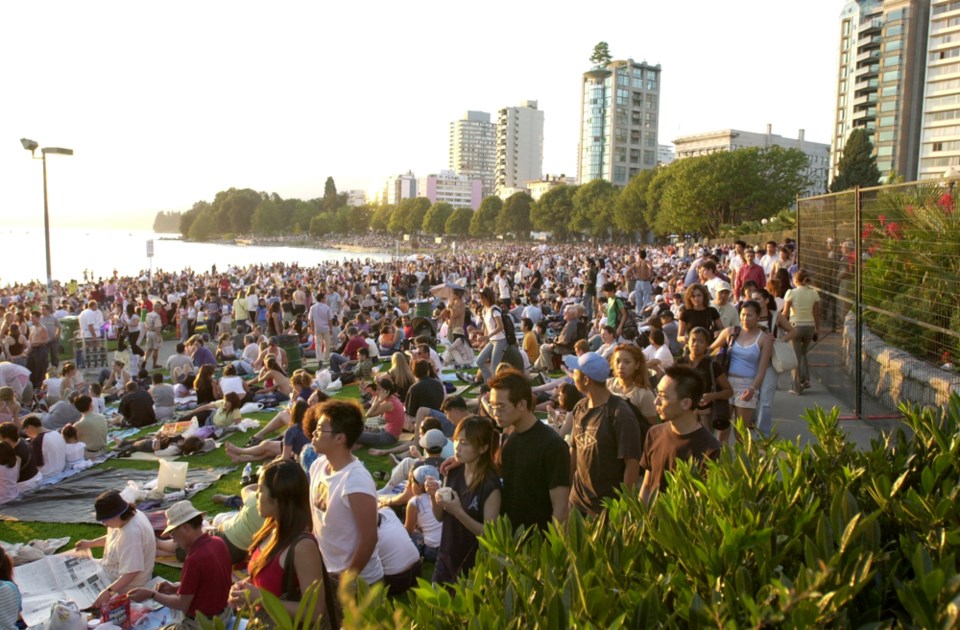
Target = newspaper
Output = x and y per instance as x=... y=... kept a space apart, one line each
x=71 y=576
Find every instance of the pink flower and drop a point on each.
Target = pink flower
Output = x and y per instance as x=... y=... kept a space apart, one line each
x=867 y=231
x=894 y=231
x=909 y=211
x=872 y=250
x=883 y=219
x=946 y=203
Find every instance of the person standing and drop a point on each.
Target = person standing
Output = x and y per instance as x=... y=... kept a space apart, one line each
x=534 y=459
x=607 y=444
x=343 y=496
x=802 y=305
x=750 y=270
x=680 y=436
x=153 y=328
x=320 y=315
x=52 y=324
x=38 y=356
x=494 y=337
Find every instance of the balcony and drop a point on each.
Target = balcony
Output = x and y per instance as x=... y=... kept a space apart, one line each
x=863 y=100
x=864 y=72
x=869 y=54
x=866 y=84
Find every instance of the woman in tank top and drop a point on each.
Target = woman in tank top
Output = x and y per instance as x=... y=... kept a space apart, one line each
x=775 y=324
x=750 y=349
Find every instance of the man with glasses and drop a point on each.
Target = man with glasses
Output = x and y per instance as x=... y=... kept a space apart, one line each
x=680 y=436
x=535 y=460
x=343 y=496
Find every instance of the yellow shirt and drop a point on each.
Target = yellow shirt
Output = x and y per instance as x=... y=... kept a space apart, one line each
x=530 y=346
x=801 y=301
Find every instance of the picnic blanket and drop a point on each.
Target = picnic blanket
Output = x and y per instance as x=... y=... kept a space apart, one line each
x=71 y=501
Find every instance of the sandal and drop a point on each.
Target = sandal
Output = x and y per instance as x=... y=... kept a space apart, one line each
x=253 y=441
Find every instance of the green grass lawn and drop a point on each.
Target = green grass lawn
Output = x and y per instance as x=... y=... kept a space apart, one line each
x=24 y=531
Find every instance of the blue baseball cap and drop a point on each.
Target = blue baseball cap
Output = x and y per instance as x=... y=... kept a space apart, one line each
x=421 y=473
x=593 y=366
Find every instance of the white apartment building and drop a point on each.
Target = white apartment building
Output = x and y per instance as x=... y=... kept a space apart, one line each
x=619 y=111
x=940 y=135
x=356 y=197
x=519 y=148
x=400 y=187
x=537 y=187
x=473 y=149
x=818 y=153
x=665 y=154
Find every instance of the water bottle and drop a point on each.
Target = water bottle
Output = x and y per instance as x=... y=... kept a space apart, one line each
x=247 y=478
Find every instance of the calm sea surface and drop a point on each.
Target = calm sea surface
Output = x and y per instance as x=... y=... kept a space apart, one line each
x=22 y=255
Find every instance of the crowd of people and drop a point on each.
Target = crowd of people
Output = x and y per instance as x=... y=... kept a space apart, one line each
x=638 y=358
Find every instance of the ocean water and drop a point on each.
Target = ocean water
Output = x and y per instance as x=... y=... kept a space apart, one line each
x=72 y=251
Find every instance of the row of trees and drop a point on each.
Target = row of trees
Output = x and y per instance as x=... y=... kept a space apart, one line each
x=693 y=196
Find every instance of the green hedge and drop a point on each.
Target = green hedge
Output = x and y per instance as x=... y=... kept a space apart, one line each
x=774 y=534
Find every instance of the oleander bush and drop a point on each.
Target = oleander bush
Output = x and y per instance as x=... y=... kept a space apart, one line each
x=774 y=534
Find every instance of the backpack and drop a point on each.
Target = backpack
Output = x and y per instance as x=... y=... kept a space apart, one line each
x=508 y=327
x=637 y=414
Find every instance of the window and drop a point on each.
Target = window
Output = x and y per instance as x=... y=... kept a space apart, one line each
x=619 y=174
x=888 y=106
x=649 y=158
x=890 y=77
x=888 y=121
x=937 y=55
x=891 y=61
x=884 y=151
x=885 y=136
x=890 y=90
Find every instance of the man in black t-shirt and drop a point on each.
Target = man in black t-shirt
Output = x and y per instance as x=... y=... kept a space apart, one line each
x=607 y=443
x=136 y=407
x=427 y=392
x=680 y=436
x=535 y=461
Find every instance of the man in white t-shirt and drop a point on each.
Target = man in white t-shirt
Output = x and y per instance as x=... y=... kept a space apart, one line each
x=657 y=353
x=343 y=496
x=53 y=449
x=90 y=321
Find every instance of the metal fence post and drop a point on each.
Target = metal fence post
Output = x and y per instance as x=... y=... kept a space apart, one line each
x=858 y=303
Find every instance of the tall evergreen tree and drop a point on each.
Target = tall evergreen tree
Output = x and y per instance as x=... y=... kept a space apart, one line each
x=329 y=195
x=858 y=166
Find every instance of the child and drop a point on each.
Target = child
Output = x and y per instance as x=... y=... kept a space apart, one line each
x=96 y=393
x=420 y=522
x=9 y=407
x=52 y=386
x=75 y=448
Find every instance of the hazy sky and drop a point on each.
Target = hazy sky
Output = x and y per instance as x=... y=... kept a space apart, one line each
x=167 y=103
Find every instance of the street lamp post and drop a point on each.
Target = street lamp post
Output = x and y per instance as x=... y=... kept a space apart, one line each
x=32 y=146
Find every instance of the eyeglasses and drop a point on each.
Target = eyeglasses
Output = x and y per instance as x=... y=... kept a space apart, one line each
x=318 y=431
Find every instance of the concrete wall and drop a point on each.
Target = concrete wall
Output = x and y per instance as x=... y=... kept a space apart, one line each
x=892 y=376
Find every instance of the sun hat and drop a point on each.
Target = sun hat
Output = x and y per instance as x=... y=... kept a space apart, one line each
x=593 y=366
x=178 y=514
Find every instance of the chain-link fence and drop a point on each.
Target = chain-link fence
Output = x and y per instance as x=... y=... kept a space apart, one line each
x=886 y=261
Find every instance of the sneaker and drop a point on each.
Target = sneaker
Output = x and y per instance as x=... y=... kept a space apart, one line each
x=794 y=392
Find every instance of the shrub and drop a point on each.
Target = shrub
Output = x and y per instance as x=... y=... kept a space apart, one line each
x=774 y=534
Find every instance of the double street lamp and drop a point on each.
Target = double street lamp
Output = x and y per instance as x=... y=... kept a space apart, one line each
x=32 y=147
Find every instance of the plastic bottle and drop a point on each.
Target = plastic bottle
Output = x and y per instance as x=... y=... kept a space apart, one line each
x=247 y=478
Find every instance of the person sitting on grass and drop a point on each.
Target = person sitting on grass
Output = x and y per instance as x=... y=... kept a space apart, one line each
x=74 y=448
x=420 y=522
x=293 y=440
x=223 y=413
x=276 y=385
x=136 y=408
x=452 y=411
x=302 y=383
x=385 y=403
x=398 y=554
x=49 y=449
x=225 y=350
x=163 y=397
x=436 y=448
x=427 y=391
x=201 y=441
x=207 y=573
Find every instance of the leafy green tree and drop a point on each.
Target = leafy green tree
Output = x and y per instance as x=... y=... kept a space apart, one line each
x=436 y=218
x=514 y=217
x=418 y=210
x=601 y=55
x=238 y=207
x=302 y=214
x=188 y=217
x=458 y=223
x=203 y=227
x=858 y=166
x=358 y=218
x=330 y=200
x=484 y=220
x=321 y=224
x=696 y=196
x=629 y=210
x=381 y=218
x=398 y=218
x=554 y=210
x=267 y=219
x=593 y=208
